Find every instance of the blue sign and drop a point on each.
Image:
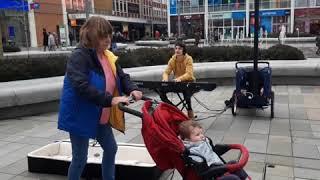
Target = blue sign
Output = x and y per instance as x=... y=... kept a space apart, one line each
x=272 y=13
x=238 y=15
x=18 y=5
x=173 y=7
x=34 y=5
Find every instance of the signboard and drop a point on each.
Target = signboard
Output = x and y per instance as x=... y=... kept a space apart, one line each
x=238 y=15
x=77 y=16
x=133 y=8
x=34 y=5
x=219 y=16
x=173 y=7
x=273 y=13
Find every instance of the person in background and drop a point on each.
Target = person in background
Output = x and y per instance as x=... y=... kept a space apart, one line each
x=94 y=85
x=45 y=39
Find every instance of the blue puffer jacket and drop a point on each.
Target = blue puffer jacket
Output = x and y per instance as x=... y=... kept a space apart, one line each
x=84 y=95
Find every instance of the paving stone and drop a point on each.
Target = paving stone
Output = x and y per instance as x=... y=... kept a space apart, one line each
x=137 y=140
x=298 y=113
x=280 y=127
x=256 y=143
x=279 y=145
x=130 y=134
x=281 y=111
x=214 y=135
x=222 y=123
x=304 y=134
x=300 y=125
x=255 y=167
x=255 y=175
x=4 y=176
x=313 y=114
x=271 y=177
x=282 y=99
x=17 y=155
x=315 y=127
x=293 y=90
x=296 y=99
x=16 y=168
x=259 y=126
x=305 y=151
x=306 y=141
x=257 y=157
x=307 y=163
x=239 y=126
x=280 y=160
x=307 y=89
x=306 y=173
x=277 y=170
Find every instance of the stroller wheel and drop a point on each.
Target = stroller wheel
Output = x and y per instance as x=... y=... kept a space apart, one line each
x=272 y=105
x=234 y=106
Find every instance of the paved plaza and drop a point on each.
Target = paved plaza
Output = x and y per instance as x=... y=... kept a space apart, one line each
x=285 y=148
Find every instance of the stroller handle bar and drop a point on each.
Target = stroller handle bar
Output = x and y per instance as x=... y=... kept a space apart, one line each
x=242 y=161
x=250 y=62
x=123 y=107
x=232 y=167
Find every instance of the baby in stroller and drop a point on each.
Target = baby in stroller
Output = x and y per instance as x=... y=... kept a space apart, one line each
x=200 y=149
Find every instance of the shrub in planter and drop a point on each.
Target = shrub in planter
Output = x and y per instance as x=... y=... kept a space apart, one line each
x=11 y=49
x=283 y=52
x=144 y=57
x=20 y=69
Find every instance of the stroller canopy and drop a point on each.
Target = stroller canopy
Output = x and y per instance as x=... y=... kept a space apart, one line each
x=160 y=134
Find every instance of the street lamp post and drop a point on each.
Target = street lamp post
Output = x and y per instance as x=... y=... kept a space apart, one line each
x=1 y=46
x=256 y=48
x=179 y=23
x=25 y=24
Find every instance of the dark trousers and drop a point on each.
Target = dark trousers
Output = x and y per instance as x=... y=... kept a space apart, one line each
x=186 y=95
x=238 y=175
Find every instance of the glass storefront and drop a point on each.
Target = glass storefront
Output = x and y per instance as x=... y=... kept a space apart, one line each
x=271 y=21
x=189 y=25
x=226 y=26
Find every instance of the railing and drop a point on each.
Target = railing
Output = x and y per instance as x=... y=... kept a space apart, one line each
x=190 y=9
x=102 y=11
x=227 y=7
x=273 y=5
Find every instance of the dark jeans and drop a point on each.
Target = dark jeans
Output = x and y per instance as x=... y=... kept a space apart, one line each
x=80 y=152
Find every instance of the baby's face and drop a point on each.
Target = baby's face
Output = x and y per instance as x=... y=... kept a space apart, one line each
x=197 y=134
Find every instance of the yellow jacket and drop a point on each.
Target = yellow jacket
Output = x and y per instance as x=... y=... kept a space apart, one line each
x=182 y=70
x=116 y=115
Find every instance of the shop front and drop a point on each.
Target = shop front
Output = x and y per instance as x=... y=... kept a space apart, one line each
x=226 y=26
x=189 y=25
x=271 y=21
x=307 y=20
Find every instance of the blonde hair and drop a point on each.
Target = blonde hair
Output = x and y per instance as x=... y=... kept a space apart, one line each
x=185 y=128
x=93 y=29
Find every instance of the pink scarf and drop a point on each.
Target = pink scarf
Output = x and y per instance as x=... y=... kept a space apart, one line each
x=110 y=86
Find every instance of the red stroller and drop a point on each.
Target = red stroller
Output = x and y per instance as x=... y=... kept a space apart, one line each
x=160 y=123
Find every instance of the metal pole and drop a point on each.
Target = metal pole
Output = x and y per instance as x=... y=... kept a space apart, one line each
x=256 y=48
x=1 y=46
x=87 y=8
x=25 y=25
x=179 y=30
x=256 y=33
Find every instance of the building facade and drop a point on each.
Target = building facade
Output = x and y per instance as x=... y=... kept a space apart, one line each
x=231 y=19
x=131 y=19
